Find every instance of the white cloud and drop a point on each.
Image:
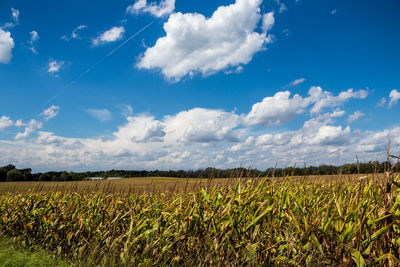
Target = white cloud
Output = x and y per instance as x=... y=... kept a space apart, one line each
x=306 y=145
x=382 y=102
x=333 y=11
x=141 y=129
x=6 y=46
x=75 y=33
x=15 y=18
x=201 y=137
x=196 y=44
x=55 y=66
x=51 y=112
x=19 y=123
x=111 y=35
x=373 y=142
x=34 y=36
x=297 y=81
x=31 y=127
x=315 y=131
x=355 y=116
x=102 y=115
x=268 y=21
x=239 y=69
x=394 y=97
x=338 y=145
x=281 y=108
x=200 y=125
x=331 y=135
x=5 y=122
x=326 y=99
x=164 y=8
x=276 y=110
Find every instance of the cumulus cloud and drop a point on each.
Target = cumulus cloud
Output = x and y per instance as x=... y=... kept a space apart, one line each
x=268 y=21
x=355 y=116
x=102 y=115
x=141 y=129
x=196 y=44
x=338 y=145
x=5 y=122
x=111 y=35
x=50 y=113
x=331 y=135
x=201 y=137
x=394 y=97
x=30 y=127
x=326 y=99
x=200 y=125
x=54 y=66
x=282 y=107
x=276 y=110
x=164 y=8
x=6 y=46
x=315 y=131
x=316 y=136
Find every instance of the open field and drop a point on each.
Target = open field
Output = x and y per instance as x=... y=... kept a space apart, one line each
x=314 y=221
x=127 y=185
x=160 y=184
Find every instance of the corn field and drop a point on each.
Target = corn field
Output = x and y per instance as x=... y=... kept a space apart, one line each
x=255 y=222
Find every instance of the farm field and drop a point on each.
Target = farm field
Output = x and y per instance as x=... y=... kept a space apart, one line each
x=312 y=221
x=127 y=185
x=161 y=184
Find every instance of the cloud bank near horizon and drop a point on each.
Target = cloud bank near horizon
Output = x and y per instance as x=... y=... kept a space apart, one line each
x=200 y=137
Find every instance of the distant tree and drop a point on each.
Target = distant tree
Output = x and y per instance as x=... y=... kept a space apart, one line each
x=3 y=174
x=14 y=175
x=27 y=174
x=9 y=167
x=45 y=177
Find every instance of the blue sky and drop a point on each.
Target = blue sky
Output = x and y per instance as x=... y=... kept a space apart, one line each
x=200 y=83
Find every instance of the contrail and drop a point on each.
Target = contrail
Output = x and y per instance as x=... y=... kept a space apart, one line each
x=93 y=66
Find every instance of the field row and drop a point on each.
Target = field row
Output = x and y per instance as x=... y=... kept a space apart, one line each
x=162 y=184
x=255 y=222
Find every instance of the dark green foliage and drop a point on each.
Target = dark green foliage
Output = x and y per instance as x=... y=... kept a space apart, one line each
x=369 y=167
x=14 y=175
x=3 y=174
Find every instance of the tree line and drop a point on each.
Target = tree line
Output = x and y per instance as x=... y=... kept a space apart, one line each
x=10 y=173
